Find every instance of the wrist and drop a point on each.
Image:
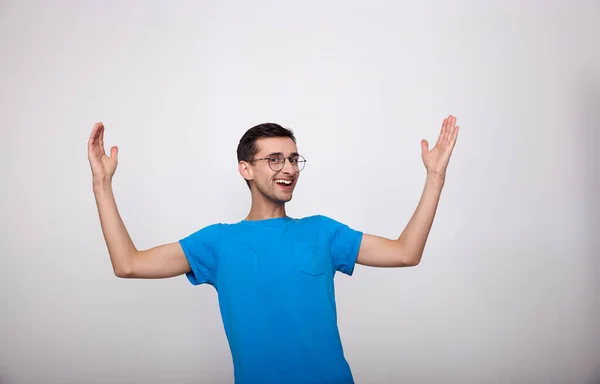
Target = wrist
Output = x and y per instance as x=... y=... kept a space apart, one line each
x=101 y=184
x=436 y=179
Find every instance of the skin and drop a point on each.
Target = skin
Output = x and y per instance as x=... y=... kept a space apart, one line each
x=268 y=201
x=407 y=249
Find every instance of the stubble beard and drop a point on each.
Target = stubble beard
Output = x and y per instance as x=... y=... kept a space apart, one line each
x=270 y=192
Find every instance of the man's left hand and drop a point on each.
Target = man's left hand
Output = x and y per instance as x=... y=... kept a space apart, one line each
x=436 y=160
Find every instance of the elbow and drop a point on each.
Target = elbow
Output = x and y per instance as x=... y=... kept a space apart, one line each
x=122 y=272
x=411 y=261
x=408 y=256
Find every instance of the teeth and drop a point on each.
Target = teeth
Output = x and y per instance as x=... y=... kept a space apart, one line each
x=281 y=181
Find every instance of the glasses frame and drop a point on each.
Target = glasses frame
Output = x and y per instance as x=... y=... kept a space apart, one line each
x=303 y=161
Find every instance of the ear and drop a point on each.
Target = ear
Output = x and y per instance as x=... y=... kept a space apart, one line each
x=245 y=170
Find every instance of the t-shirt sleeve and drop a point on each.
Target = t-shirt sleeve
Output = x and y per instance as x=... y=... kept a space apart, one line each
x=201 y=249
x=343 y=243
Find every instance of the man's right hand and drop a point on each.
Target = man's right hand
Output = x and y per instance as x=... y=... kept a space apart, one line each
x=159 y=262
x=103 y=166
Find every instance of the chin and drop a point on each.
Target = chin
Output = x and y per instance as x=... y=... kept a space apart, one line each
x=276 y=196
x=283 y=200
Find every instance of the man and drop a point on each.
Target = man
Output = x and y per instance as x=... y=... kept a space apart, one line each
x=273 y=273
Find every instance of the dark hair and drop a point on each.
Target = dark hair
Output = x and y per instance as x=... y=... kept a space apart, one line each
x=247 y=147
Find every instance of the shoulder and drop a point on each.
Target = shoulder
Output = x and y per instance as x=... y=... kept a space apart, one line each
x=322 y=221
x=208 y=231
x=211 y=228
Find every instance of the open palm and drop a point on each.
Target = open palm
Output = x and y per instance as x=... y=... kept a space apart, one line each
x=436 y=160
x=103 y=166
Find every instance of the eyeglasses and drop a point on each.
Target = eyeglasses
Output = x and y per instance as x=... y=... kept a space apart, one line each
x=277 y=162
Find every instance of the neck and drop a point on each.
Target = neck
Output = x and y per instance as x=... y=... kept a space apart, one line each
x=265 y=213
x=263 y=208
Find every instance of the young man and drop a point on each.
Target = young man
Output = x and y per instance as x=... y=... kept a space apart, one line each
x=273 y=273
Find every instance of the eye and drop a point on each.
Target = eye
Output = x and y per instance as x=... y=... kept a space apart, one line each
x=275 y=159
x=294 y=160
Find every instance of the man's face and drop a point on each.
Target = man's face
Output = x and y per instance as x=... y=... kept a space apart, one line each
x=276 y=185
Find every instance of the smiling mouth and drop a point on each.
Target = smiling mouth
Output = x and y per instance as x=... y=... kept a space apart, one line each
x=284 y=183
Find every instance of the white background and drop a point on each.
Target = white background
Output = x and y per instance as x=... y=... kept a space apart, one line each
x=507 y=291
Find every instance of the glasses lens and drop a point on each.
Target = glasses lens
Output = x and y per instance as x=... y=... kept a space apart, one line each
x=298 y=162
x=276 y=162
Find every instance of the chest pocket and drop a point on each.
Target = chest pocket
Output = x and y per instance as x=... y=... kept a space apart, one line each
x=311 y=259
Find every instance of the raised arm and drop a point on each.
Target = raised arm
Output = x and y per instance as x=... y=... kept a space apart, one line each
x=162 y=261
x=408 y=248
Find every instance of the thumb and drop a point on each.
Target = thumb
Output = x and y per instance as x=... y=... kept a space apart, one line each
x=424 y=147
x=114 y=152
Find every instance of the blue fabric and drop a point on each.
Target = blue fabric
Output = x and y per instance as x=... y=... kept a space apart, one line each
x=274 y=280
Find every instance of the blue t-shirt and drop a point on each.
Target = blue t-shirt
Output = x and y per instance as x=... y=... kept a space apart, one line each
x=274 y=280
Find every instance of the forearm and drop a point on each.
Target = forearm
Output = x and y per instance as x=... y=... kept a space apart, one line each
x=413 y=238
x=119 y=243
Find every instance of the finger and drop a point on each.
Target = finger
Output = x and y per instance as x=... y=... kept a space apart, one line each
x=94 y=134
x=424 y=147
x=102 y=140
x=452 y=140
x=442 y=131
x=443 y=127
x=455 y=134
x=114 y=152
x=449 y=128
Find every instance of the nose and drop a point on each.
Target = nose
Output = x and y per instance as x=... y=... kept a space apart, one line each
x=288 y=168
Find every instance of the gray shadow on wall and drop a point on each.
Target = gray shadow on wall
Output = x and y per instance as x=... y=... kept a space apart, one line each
x=588 y=141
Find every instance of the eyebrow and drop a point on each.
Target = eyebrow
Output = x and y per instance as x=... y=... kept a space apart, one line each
x=281 y=153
